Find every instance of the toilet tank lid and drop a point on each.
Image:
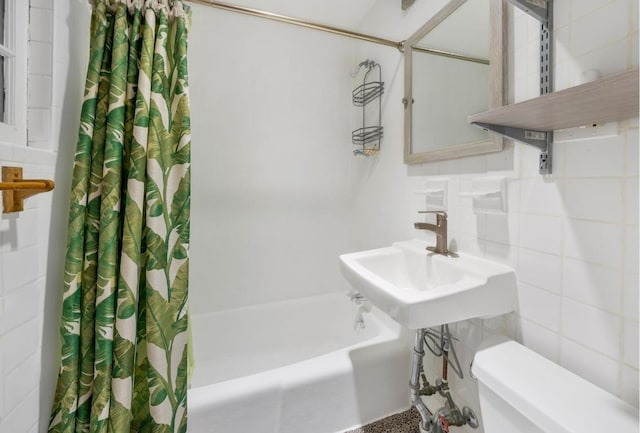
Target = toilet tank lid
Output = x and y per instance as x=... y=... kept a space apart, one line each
x=548 y=395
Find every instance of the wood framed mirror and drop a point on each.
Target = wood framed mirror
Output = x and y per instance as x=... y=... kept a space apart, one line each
x=454 y=67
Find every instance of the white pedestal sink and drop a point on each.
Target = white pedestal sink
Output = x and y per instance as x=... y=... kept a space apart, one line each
x=420 y=289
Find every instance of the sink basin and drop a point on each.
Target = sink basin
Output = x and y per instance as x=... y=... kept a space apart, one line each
x=420 y=289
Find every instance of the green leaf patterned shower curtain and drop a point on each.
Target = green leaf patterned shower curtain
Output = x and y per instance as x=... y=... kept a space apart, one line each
x=124 y=318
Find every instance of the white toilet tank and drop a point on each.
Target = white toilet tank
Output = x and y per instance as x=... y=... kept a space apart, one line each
x=522 y=392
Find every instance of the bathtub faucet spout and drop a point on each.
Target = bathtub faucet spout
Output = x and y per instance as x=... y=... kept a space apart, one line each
x=364 y=306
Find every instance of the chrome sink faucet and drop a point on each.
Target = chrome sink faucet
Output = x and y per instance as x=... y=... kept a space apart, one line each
x=439 y=228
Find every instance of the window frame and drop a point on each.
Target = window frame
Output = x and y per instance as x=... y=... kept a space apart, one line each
x=13 y=130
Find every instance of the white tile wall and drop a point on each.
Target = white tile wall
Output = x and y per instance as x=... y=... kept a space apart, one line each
x=24 y=241
x=592 y=327
x=591 y=284
x=529 y=301
x=594 y=242
x=540 y=339
x=595 y=157
x=541 y=233
x=576 y=245
x=540 y=270
x=600 y=370
x=40 y=75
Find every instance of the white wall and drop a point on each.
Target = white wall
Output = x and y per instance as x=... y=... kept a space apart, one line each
x=32 y=243
x=270 y=109
x=24 y=239
x=571 y=237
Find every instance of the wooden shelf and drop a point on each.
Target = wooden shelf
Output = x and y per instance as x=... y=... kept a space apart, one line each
x=607 y=99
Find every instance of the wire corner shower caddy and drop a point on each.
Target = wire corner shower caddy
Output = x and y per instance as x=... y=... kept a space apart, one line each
x=368 y=137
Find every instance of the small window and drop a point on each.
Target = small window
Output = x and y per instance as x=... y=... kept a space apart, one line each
x=14 y=24
x=5 y=59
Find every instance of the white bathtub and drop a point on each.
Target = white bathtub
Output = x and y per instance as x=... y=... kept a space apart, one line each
x=296 y=367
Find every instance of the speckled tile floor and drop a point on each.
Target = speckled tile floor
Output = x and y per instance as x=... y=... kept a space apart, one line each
x=404 y=422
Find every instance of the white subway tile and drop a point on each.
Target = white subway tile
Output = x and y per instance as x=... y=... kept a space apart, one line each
x=564 y=72
x=40 y=55
x=39 y=91
x=631 y=337
x=563 y=60
x=449 y=167
x=632 y=152
x=21 y=382
x=25 y=223
x=594 y=242
x=18 y=344
x=17 y=269
x=592 y=327
x=631 y=296
x=503 y=162
x=468 y=244
x=540 y=196
x=561 y=13
x=474 y=164
x=519 y=65
x=581 y=8
x=22 y=419
x=540 y=270
x=633 y=42
x=19 y=153
x=20 y=306
x=501 y=253
x=600 y=27
x=39 y=124
x=513 y=193
x=595 y=199
x=539 y=306
x=466 y=221
x=502 y=228
x=40 y=145
x=6 y=152
x=504 y=324
x=590 y=365
x=41 y=25
x=520 y=35
x=541 y=233
x=629 y=385
x=609 y=59
x=592 y=284
x=45 y=4
x=631 y=200
x=540 y=340
x=44 y=211
x=2 y=411
x=631 y=257
x=595 y=157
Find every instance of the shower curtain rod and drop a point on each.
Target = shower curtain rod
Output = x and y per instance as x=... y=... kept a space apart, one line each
x=299 y=22
x=329 y=29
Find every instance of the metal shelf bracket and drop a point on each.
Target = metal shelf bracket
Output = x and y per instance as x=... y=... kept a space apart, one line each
x=538 y=9
x=542 y=140
x=542 y=10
